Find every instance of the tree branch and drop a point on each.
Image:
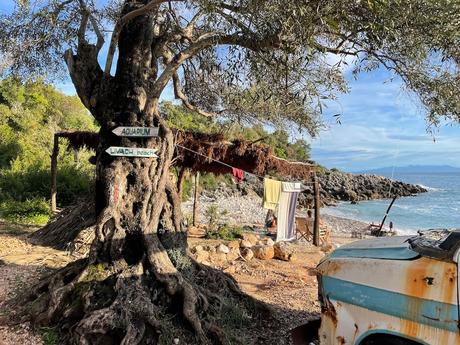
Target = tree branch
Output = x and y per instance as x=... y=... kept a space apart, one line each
x=86 y=12
x=122 y=22
x=178 y=93
x=207 y=40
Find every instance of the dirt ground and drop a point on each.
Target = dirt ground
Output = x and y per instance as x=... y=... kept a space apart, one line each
x=289 y=287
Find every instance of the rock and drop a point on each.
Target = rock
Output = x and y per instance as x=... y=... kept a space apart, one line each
x=233 y=245
x=234 y=254
x=218 y=258
x=202 y=256
x=230 y=269
x=269 y=241
x=283 y=251
x=247 y=254
x=198 y=249
x=245 y=244
x=251 y=238
x=222 y=248
x=264 y=252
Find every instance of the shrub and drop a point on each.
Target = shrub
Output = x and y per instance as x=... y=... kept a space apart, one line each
x=225 y=232
x=32 y=211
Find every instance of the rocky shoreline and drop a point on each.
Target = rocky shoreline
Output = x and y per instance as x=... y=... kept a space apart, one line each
x=335 y=186
x=340 y=186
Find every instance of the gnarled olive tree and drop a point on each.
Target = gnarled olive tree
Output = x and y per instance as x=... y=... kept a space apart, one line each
x=273 y=61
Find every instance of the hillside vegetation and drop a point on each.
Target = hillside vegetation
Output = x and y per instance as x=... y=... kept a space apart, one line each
x=29 y=115
x=31 y=112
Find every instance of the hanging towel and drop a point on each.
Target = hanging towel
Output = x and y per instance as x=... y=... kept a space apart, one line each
x=292 y=187
x=272 y=190
x=286 y=216
x=238 y=174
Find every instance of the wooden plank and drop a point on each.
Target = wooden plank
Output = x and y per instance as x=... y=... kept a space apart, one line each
x=131 y=152
x=136 y=132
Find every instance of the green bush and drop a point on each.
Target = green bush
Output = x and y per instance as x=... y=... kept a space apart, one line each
x=32 y=211
x=225 y=232
x=72 y=183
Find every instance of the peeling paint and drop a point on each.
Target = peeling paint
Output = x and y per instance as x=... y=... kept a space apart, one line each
x=416 y=299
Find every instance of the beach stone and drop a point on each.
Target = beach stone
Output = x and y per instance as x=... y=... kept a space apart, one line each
x=283 y=251
x=263 y=252
x=245 y=244
x=233 y=245
x=202 y=256
x=233 y=255
x=269 y=242
x=222 y=248
x=251 y=238
x=218 y=258
x=247 y=254
x=198 y=248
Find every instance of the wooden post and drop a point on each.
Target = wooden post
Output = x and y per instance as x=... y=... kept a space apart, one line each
x=180 y=182
x=54 y=157
x=317 y=215
x=195 y=198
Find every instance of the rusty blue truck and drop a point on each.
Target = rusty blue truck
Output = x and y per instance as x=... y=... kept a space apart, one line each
x=401 y=290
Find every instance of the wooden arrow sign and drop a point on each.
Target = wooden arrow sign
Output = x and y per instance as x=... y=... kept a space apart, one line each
x=131 y=152
x=139 y=132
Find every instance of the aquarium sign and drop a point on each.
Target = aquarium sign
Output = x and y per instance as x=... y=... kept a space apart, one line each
x=131 y=152
x=138 y=132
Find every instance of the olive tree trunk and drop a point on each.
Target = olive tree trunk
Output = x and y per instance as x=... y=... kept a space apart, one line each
x=138 y=285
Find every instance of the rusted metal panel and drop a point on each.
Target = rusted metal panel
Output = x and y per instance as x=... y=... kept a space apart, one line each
x=416 y=299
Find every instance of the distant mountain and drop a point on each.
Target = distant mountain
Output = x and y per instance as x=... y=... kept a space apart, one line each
x=412 y=169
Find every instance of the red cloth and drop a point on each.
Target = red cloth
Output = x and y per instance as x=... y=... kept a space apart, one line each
x=238 y=174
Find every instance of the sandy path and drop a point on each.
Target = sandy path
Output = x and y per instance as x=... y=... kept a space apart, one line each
x=21 y=265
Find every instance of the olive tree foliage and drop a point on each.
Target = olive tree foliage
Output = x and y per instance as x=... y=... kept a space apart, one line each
x=272 y=61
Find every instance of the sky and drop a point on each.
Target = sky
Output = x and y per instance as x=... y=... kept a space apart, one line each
x=381 y=126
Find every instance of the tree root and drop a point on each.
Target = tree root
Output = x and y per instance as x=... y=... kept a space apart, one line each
x=141 y=306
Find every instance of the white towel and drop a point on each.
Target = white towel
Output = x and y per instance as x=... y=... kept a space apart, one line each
x=292 y=187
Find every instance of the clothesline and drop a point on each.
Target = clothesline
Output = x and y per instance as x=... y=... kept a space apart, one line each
x=228 y=165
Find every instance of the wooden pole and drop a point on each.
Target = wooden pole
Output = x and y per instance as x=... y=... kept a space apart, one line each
x=180 y=182
x=195 y=198
x=317 y=215
x=54 y=157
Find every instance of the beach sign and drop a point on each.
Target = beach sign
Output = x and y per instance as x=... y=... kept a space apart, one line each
x=138 y=132
x=131 y=152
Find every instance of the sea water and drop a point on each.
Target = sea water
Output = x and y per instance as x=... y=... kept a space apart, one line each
x=438 y=208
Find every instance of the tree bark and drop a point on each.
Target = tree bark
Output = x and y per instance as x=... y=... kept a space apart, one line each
x=138 y=285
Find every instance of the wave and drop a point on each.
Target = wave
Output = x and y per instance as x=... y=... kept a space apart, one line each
x=428 y=188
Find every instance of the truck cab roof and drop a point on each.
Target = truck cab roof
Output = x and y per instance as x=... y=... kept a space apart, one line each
x=436 y=243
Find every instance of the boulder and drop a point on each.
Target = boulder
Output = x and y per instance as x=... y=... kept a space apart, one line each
x=269 y=241
x=218 y=258
x=283 y=251
x=245 y=244
x=247 y=254
x=233 y=245
x=264 y=252
x=233 y=255
x=222 y=248
x=202 y=256
x=198 y=249
x=251 y=238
